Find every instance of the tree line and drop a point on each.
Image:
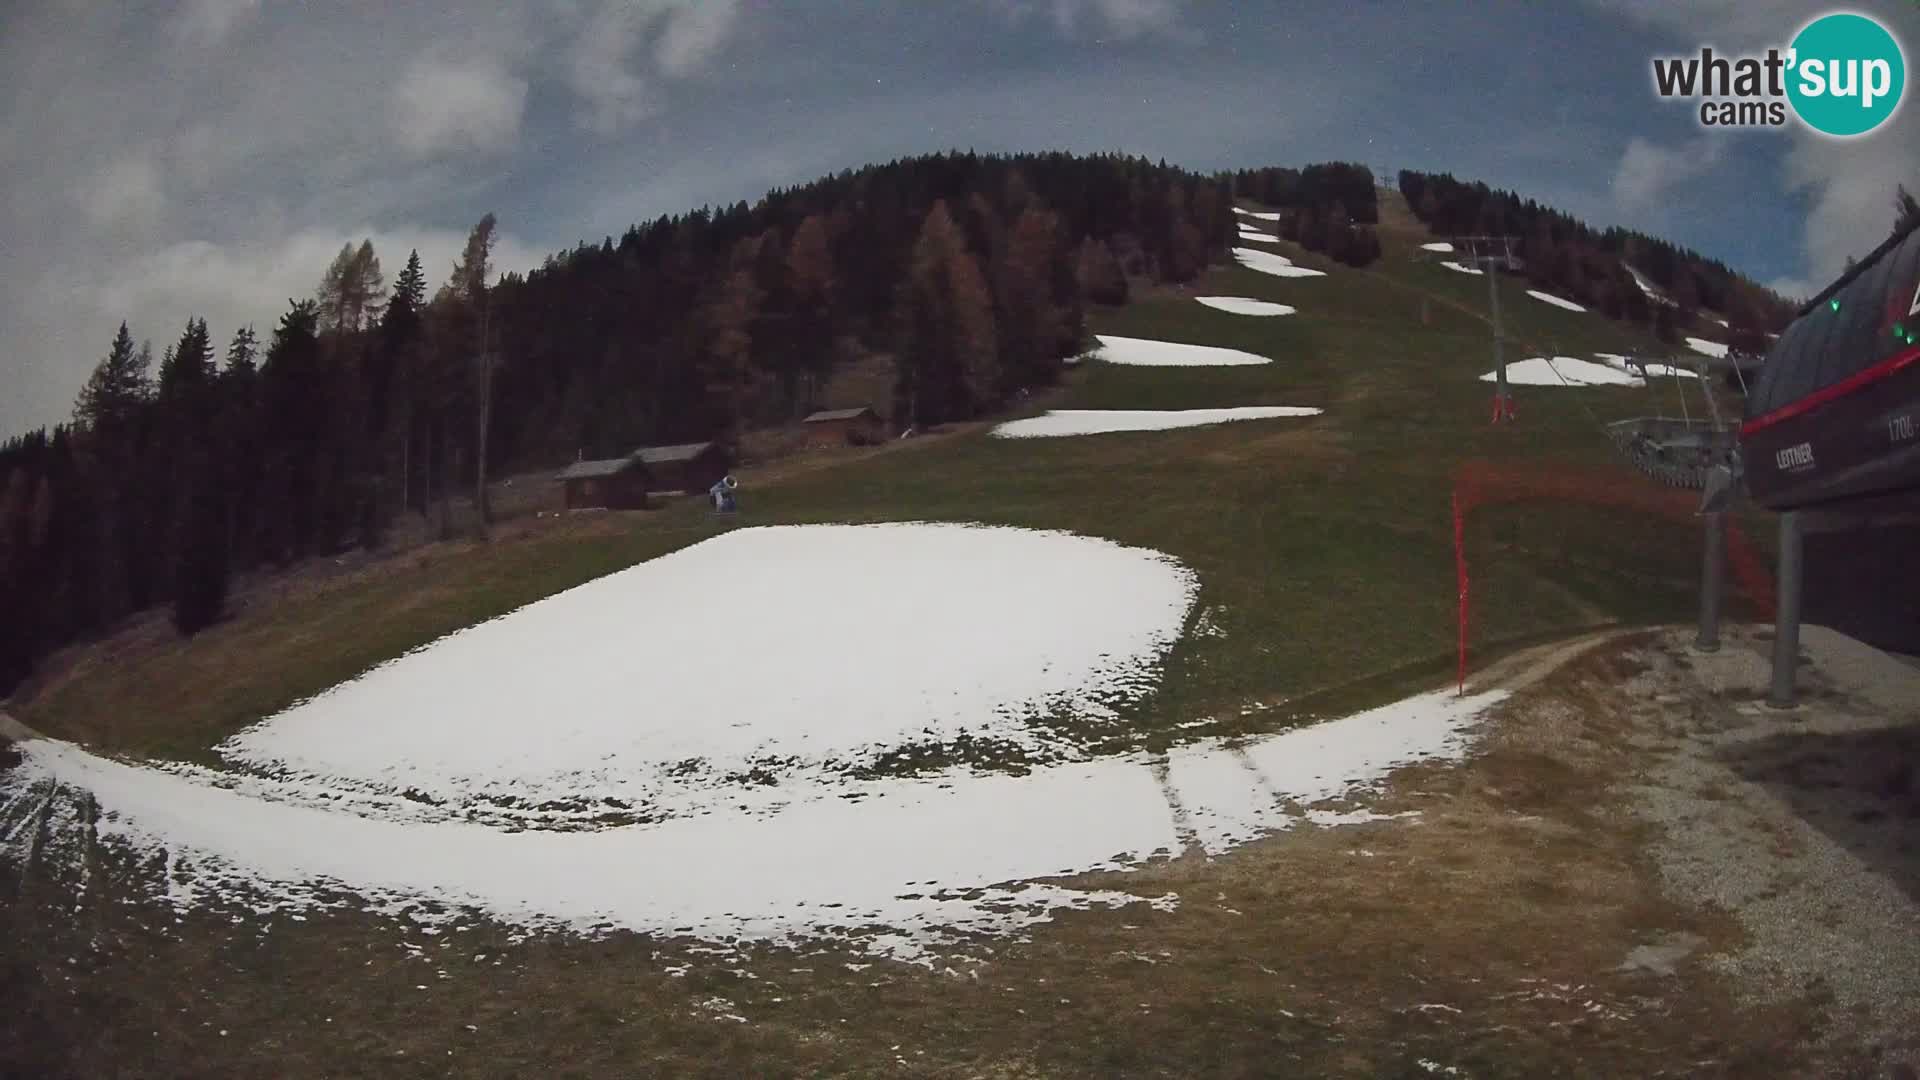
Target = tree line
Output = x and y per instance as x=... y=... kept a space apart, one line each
x=1328 y=208
x=1594 y=267
x=968 y=274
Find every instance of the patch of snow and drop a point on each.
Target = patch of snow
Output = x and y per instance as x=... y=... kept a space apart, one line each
x=1440 y=246
x=1263 y=215
x=1710 y=348
x=1269 y=263
x=1622 y=363
x=898 y=871
x=1060 y=422
x=1549 y=298
x=1146 y=352
x=1241 y=305
x=1564 y=371
x=614 y=687
x=1651 y=290
x=1464 y=269
x=1716 y=319
x=1257 y=236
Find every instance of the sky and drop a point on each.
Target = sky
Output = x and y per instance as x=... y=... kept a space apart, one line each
x=209 y=157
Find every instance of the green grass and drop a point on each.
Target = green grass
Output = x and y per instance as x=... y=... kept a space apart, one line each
x=1323 y=546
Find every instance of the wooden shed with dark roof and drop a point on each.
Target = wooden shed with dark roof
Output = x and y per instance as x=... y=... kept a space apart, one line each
x=844 y=427
x=687 y=467
x=612 y=483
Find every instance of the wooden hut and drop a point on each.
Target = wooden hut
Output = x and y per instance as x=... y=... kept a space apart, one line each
x=844 y=427
x=689 y=467
x=612 y=483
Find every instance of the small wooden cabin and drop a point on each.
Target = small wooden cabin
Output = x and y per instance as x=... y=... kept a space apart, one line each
x=845 y=427
x=613 y=483
x=689 y=467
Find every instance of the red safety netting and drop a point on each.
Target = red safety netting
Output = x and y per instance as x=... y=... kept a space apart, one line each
x=1480 y=483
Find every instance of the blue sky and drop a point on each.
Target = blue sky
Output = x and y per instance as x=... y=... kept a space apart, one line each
x=208 y=158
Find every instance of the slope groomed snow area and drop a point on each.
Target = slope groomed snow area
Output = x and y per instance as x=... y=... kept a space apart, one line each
x=1241 y=305
x=647 y=686
x=1564 y=371
x=1257 y=236
x=1559 y=302
x=1623 y=363
x=1441 y=246
x=1146 y=352
x=1269 y=263
x=1709 y=348
x=893 y=866
x=1263 y=215
x=1461 y=268
x=1062 y=422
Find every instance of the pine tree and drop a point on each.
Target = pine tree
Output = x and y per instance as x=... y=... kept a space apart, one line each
x=810 y=275
x=1101 y=280
x=118 y=386
x=469 y=286
x=351 y=291
x=945 y=360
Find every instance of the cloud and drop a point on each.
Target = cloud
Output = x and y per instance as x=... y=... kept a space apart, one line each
x=1123 y=19
x=602 y=68
x=443 y=104
x=205 y=23
x=127 y=192
x=1648 y=172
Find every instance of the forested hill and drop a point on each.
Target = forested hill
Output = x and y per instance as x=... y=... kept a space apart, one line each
x=968 y=273
x=1597 y=267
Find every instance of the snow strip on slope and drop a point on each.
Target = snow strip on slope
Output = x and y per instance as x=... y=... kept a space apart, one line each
x=1621 y=363
x=1464 y=269
x=1257 y=236
x=817 y=647
x=1564 y=371
x=893 y=866
x=1268 y=263
x=1710 y=348
x=1145 y=352
x=1440 y=246
x=1060 y=422
x=1648 y=288
x=1549 y=298
x=1263 y=215
x=1241 y=305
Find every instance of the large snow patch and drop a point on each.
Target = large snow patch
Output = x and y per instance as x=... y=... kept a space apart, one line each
x=1564 y=371
x=1146 y=352
x=1556 y=301
x=1710 y=348
x=893 y=866
x=1268 y=263
x=1241 y=305
x=1061 y=422
x=806 y=649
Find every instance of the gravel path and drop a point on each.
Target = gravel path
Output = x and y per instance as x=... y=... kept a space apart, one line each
x=1804 y=824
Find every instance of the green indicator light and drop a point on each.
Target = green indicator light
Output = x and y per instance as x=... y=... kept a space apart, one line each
x=1899 y=331
x=1835 y=304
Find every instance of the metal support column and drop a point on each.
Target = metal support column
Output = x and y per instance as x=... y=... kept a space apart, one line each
x=1502 y=396
x=1786 y=623
x=1712 y=583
